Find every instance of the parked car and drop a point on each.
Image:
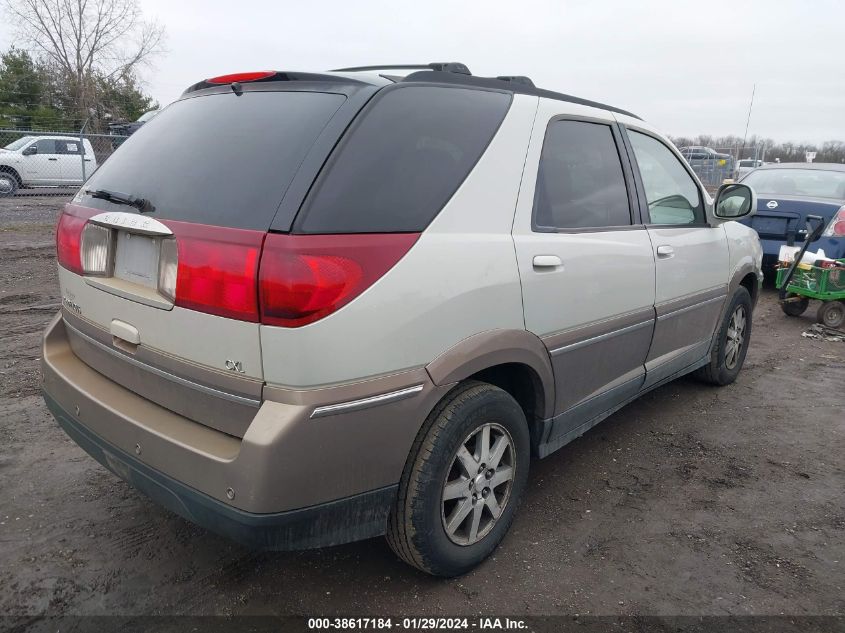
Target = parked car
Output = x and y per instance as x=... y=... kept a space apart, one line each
x=45 y=161
x=704 y=156
x=787 y=193
x=698 y=152
x=746 y=165
x=126 y=128
x=368 y=315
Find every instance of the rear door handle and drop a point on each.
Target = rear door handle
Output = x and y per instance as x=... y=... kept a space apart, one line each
x=52 y=159
x=547 y=261
x=665 y=251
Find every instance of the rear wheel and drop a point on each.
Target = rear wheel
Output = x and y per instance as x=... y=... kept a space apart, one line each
x=8 y=184
x=732 y=343
x=463 y=481
x=831 y=314
x=795 y=307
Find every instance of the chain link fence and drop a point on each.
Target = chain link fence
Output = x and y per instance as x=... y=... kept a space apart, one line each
x=37 y=163
x=724 y=163
x=712 y=165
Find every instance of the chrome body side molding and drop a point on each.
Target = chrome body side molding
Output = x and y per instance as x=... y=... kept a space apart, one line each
x=366 y=403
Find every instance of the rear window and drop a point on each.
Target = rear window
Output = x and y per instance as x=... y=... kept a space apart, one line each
x=219 y=159
x=401 y=163
x=813 y=183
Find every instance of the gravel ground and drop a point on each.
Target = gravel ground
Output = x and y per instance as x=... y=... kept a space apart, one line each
x=692 y=500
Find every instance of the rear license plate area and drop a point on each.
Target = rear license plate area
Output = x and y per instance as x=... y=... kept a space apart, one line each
x=136 y=259
x=767 y=225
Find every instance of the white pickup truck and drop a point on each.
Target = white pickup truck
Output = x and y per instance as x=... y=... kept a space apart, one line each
x=45 y=161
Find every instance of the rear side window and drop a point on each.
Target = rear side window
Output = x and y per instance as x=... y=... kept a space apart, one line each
x=68 y=147
x=219 y=159
x=579 y=181
x=402 y=162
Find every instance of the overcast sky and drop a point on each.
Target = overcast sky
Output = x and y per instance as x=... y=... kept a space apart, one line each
x=687 y=67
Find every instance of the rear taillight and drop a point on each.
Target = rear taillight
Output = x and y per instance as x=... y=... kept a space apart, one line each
x=836 y=228
x=275 y=279
x=69 y=237
x=216 y=271
x=304 y=278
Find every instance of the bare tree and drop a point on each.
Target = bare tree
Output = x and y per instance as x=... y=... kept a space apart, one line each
x=87 y=38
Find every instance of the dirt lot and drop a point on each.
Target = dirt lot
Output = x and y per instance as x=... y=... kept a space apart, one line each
x=693 y=500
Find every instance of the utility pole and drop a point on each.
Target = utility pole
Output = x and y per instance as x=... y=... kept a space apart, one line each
x=748 y=120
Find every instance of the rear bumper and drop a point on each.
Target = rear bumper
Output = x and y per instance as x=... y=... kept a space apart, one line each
x=833 y=247
x=294 y=480
x=351 y=519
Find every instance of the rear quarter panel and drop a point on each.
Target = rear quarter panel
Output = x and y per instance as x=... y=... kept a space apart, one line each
x=458 y=280
x=745 y=252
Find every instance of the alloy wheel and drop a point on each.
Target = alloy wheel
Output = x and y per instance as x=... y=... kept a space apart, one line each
x=6 y=184
x=478 y=485
x=735 y=337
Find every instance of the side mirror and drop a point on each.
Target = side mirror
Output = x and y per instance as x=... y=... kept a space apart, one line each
x=734 y=201
x=29 y=151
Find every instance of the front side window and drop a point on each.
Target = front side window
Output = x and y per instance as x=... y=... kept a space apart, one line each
x=671 y=193
x=580 y=183
x=46 y=146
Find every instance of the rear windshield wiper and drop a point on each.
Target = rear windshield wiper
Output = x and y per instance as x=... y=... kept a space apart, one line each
x=142 y=204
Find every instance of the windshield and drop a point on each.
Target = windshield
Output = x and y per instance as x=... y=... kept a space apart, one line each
x=219 y=159
x=19 y=143
x=813 y=183
x=147 y=116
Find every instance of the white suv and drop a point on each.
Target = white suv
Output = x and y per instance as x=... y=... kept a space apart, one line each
x=45 y=161
x=385 y=298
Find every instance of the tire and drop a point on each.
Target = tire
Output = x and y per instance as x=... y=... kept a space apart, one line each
x=831 y=314
x=417 y=530
x=795 y=308
x=8 y=184
x=726 y=360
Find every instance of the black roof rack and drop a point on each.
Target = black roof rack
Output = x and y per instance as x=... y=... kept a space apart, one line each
x=516 y=84
x=517 y=79
x=447 y=67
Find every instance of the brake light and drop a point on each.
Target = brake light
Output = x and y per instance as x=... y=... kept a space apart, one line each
x=216 y=269
x=304 y=278
x=241 y=77
x=69 y=237
x=836 y=228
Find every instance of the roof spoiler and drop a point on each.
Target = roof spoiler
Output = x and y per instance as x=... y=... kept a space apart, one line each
x=235 y=80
